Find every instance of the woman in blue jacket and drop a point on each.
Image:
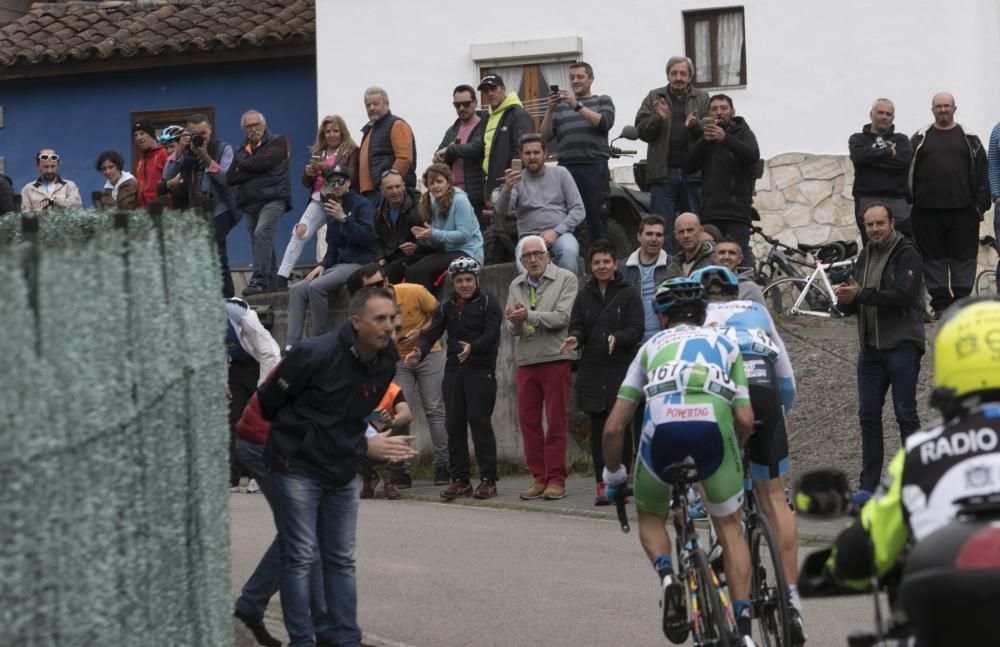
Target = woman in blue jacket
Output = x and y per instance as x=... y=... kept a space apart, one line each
x=451 y=227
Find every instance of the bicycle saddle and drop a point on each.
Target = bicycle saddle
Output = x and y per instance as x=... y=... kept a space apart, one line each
x=837 y=250
x=681 y=471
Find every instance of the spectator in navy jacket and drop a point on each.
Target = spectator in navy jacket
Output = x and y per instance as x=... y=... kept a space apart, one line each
x=350 y=240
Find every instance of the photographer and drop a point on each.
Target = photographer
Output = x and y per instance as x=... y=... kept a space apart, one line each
x=210 y=160
x=350 y=240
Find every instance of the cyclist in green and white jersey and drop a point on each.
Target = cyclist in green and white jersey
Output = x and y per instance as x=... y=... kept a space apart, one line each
x=697 y=402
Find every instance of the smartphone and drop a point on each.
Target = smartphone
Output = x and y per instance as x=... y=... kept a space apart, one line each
x=515 y=164
x=374 y=416
x=553 y=89
x=316 y=159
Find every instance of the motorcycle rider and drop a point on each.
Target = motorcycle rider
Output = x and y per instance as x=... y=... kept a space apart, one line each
x=937 y=466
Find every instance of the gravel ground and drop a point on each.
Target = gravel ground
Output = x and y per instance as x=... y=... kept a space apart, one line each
x=823 y=425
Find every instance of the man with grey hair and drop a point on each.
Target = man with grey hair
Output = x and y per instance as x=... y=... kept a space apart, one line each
x=881 y=158
x=948 y=180
x=539 y=304
x=669 y=119
x=387 y=146
x=263 y=192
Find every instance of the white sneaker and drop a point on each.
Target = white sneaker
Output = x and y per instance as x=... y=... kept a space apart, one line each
x=252 y=487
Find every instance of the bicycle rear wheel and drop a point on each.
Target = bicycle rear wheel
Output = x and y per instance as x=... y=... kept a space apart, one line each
x=986 y=283
x=781 y=294
x=768 y=588
x=708 y=615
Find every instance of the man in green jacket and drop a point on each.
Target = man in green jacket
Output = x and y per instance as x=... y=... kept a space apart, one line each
x=668 y=120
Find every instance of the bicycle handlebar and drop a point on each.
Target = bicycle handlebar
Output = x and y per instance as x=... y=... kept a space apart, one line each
x=623 y=493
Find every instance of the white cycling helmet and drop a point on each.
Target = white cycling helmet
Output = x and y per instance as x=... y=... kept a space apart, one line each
x=464 y=264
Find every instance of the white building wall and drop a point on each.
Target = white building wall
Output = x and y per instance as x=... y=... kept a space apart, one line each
x=813 y=68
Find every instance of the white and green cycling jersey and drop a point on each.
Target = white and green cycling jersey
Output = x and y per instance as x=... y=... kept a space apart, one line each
x=691 y=377
x=686 y=360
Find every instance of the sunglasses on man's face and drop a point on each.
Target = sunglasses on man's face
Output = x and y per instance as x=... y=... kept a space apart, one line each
x=45 y=157
x=461 y=104
x=338 y=181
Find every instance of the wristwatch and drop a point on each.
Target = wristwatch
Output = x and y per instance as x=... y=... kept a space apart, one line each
x=578 y=107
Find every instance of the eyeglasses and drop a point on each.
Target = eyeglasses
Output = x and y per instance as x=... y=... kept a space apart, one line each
x=45 y=157
x=337 y=181
x=387 y=172
x=461 y=104
x=253 y=126
x=527 y=256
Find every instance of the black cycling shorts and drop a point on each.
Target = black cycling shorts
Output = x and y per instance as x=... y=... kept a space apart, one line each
x=768 y=446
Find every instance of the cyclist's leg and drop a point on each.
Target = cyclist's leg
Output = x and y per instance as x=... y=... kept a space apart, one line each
x=652 y=502
x=768 y=449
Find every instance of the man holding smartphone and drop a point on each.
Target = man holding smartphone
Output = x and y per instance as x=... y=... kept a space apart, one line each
x=579 y=122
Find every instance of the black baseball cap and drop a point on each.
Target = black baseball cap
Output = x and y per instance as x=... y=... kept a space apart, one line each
x=492 y=80
x=337 y=169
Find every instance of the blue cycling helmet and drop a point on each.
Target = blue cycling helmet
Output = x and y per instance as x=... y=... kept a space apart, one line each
x=717 y=281
x=678 y=291
x=170 y=134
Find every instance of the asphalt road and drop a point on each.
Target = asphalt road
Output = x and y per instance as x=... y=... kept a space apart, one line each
x=433 y=574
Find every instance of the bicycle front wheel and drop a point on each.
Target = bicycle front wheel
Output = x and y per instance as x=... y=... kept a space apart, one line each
x=768 y=588
x=781 y=295
x=708 y=614
x=986 y=283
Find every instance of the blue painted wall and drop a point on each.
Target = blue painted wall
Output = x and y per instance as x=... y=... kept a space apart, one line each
x=83 y=115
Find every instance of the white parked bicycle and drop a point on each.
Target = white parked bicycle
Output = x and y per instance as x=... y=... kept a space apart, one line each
x=813 y=295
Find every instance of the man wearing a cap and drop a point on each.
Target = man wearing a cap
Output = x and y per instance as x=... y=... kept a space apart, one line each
x=350 y=243
x=507 y=121
x=152 y=159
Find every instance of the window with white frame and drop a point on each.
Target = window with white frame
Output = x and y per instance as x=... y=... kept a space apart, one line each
x=529 y=68
x=715 y=40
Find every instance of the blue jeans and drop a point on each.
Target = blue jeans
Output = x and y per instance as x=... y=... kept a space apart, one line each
x=314 y=517
x=675 y=191
x=266 y=578
x=565 y=253
x=877 y=369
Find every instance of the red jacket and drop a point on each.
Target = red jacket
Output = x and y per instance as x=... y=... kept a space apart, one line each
x=149 y=172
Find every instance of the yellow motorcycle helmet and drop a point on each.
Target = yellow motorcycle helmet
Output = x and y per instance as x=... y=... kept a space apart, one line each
x=967 y=353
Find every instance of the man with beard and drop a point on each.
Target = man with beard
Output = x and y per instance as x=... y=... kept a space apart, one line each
x=49 y=190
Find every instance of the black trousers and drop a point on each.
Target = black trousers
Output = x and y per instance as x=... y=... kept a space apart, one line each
x=597 y=421
x=243 y=377
x=949 y=243
x=430 y=268
x=223 y=224
x=592 y=181
x=469 y=397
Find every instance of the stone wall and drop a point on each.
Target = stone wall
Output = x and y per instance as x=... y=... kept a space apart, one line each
x=805 y=198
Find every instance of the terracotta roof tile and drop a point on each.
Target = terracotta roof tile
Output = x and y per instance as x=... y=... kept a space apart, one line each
x=53 y=32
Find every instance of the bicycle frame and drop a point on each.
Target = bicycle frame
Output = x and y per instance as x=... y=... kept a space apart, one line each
x=687 y=543
x=819 y=278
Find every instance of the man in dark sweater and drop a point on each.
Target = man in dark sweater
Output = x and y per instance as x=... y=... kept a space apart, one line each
x=886 y=294
x=881 y=158
x=727 y=157
x=462 y=146
x=950 y=195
